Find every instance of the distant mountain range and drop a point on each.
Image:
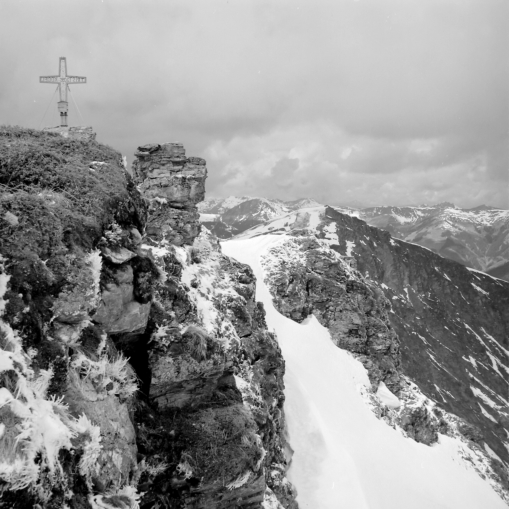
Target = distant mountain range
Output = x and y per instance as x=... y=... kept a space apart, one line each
x=477 y=238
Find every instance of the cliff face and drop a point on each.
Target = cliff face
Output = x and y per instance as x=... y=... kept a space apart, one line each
x=213 y=415
x=135 y=365
x=173 y=184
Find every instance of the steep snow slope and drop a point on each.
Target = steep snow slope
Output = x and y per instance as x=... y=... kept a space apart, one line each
x=344 y=456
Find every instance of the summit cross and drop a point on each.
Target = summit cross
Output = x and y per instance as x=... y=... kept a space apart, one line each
x=63 y=84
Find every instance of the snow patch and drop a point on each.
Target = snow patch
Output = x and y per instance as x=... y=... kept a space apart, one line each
x=349 y=247
x=486 y=414
x=486 y=399
x=480 y=290
x=387 y=397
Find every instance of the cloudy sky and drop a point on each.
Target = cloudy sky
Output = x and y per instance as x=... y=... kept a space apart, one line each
x=349 y=102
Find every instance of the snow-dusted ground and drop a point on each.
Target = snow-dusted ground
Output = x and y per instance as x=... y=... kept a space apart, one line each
x=344 y=456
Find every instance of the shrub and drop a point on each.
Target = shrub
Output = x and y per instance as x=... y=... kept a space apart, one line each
x=57 y=171
x=107 y=376
x=222 y=442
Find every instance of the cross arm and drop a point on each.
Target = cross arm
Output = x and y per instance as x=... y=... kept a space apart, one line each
x=49 y=79
x=76 y=80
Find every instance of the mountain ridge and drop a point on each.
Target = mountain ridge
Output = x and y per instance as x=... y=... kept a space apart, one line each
x=477 y=237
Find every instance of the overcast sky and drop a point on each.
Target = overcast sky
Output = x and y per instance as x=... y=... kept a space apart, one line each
x=349 y=102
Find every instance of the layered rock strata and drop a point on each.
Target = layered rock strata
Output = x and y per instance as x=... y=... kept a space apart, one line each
x=173 y=184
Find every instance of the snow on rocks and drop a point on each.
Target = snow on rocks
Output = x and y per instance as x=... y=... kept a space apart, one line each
x=480 y=290
x=344 y=456
x=387 y=397
x=212 y=345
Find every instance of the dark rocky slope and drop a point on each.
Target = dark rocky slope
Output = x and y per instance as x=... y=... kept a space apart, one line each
x=93 y=273
x=453 y=325
x=355 y=311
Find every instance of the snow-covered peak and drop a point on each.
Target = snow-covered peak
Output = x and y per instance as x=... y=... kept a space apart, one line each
x=303 y=219
x=301 y=203
x=220 y=205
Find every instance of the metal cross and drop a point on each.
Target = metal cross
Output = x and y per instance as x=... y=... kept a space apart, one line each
x=63 y=83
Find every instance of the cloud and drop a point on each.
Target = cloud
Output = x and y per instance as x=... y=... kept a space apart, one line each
x=356 y=94
x=309 y=160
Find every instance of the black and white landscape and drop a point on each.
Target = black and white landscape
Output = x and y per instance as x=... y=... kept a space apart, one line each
x=304 y=303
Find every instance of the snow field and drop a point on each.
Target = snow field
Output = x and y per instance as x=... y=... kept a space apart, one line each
x=345 y=458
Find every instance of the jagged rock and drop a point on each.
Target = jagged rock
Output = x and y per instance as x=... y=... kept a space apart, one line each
x=177 y=226
x=174 y=185
x=118 y=439
x=208 y=362
x=419 y=425
x=118 y=311
x=309 y=279
x=119 y=255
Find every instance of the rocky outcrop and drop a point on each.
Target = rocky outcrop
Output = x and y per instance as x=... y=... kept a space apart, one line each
x=173 y=184
x=307 y=279
x=214 y=410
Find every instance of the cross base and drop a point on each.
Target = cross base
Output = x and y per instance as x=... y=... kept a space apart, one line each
x=63 y=109
x=75 y=132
